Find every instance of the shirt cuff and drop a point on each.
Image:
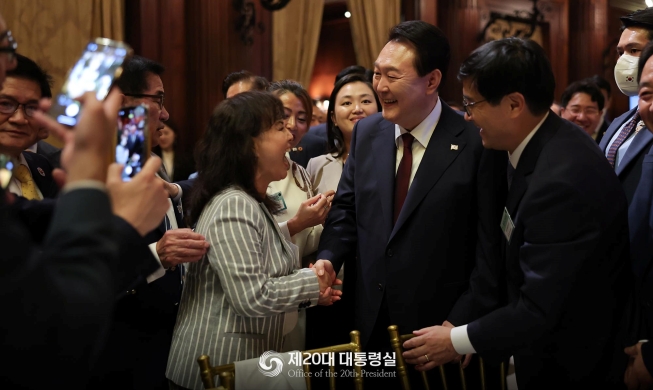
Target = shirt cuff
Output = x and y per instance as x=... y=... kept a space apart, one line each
x=84 y=184
x=161 y=271
x=179 y=194
x=284 y=230
x=460 y=340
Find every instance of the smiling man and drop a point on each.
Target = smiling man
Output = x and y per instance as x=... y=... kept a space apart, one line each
x=564 y=270
x=417 y=195
x=582 y=103
x=19 y=100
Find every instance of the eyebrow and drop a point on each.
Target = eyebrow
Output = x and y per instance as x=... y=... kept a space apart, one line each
x=361 y=95
x=387 y=67
x=5 y=96
x=645 y=84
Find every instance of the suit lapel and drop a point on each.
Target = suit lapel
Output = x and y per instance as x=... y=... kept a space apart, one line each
x=640 y=140
x=42 y=175
x=438 y=156
x=614 y=126
x=385 y=154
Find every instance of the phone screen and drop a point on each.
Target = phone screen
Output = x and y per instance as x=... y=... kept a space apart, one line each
x=7 y=165
x=132 y=140
x=100 y=63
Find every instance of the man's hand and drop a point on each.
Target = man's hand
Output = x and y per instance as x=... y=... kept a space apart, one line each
x=312 y=212
x=434 y=342
x=468 y=357
x=326 y=276
x=172 y=189
x=637 y=376
x=142 y=202
x=85 y=153
x=180 y=246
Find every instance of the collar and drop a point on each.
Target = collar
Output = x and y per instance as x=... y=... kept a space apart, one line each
x=424 y=130
x=514 y=157
x=32 y=148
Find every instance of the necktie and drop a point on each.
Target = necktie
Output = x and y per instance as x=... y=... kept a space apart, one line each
x=402 y=180
x=625 y=133
x=26 y=182
x=511 y=173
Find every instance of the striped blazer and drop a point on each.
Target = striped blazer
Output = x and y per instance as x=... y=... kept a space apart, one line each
x=234 y=299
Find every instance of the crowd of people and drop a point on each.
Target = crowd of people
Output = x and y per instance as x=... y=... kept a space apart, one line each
x=511 y=227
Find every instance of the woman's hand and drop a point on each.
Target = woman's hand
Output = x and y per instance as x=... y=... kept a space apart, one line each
x=311 y=212
x=326 y=276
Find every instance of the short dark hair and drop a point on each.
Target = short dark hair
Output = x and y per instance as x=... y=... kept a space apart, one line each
x=509 y=65
x=601 y=82
x=27 y=69
x=258 y=83
x=432 y=50
x=646 y=54
x=335 y=138
x=133 y=78
x=642 y=18
x=586 y=87
x=226 y=154
x=353 y=69
x=282 y=87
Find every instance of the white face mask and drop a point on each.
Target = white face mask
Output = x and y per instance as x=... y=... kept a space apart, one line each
x=625 y=74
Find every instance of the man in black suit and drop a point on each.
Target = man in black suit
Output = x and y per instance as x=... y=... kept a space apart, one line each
x=137 y=350
x=564 y=271
x=623 y=145
x=416 y=202
x=19 y=100
x=640 y=218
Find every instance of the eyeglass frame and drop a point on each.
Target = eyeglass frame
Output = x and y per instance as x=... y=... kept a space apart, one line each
x=144 y=95
x=13 y=45
x=18 y=107
x=469 y=105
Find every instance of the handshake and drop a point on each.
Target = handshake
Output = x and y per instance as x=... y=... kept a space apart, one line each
x=326 y=276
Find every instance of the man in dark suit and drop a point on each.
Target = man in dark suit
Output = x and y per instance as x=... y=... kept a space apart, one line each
x=623 y=145
x=137 y=350
x=416 y=201
x=24 y=86
x=640 y=219
x=564 y=272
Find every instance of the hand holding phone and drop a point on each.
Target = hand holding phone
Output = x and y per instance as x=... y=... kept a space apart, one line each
x=132 y=141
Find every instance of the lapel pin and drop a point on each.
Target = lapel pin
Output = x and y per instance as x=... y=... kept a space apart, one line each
x=40 y=171
x=454 y=147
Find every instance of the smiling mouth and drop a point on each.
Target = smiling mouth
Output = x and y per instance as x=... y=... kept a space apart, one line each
x=388 y=101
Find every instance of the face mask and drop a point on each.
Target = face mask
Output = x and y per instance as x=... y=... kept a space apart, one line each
x=625 y=74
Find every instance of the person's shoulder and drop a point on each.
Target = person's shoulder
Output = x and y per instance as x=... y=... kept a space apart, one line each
x=316 y=163
x=36 y=161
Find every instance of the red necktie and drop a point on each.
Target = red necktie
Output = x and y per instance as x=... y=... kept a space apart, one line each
x=402 y=180
x=625 y=133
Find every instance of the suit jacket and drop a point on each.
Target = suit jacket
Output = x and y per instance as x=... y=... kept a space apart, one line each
x=52 y=153
x=604 y=127
x=235 y=298
x=565 y=267
x=313 y=144
x=325 y=172
x=630 y=169
x=59 y=297
x=422 y=263
x=41 y=171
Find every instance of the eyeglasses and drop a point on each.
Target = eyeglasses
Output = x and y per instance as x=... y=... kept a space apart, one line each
x=158 y=99
x=11 y=48
x=10 y=106
x=468 y=105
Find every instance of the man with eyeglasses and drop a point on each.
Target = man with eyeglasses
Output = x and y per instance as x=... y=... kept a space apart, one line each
x=136 y=353
x=19 y=100
x=582 y=103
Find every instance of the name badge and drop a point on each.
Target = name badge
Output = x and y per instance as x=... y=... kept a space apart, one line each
x=506 y=224
x=278 y=198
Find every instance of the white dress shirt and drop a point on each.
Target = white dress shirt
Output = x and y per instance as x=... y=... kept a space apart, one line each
x=459 y=336
x=422 y=134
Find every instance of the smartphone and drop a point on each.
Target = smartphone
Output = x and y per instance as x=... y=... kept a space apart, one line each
x=132 y=142
x=7 y=165
x=98 y=66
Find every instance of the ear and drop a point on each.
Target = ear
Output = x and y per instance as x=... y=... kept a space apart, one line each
x=517 y=104
x=433 y=81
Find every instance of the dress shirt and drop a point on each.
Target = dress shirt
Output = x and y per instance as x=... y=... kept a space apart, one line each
x=32 y=148
x=422 y=134
x=459 y=336
x=14 y=184
x=621 y=152
x=168 y=162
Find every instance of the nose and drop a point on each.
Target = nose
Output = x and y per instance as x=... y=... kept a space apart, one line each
x=165 y=115
x=358 y=108
x=19 y=115
x=381 y=84
x=291 y=123
x=289 y=136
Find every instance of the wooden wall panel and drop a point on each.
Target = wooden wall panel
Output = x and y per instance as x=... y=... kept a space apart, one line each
x=587 y=21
